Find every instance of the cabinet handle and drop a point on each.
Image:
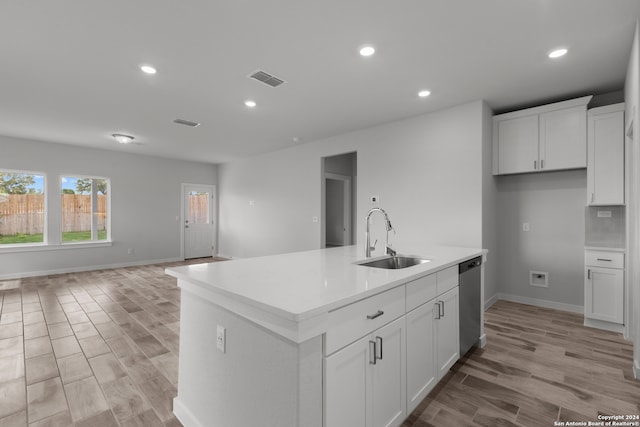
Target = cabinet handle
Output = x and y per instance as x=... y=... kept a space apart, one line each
x=535 y=164
x=588 y=274
x=593 y=196
x=379 y=340
x=375 y=316
x=372 y=352
x=604 y=259
x=442 y=304
x=438 y=305
x=541 y=164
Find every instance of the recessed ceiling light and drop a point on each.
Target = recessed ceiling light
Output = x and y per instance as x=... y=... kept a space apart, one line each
x=424 y=93
x=123 y=139
x=249 y=103
x=367 y=51
x=148 y=69
x=557 y=53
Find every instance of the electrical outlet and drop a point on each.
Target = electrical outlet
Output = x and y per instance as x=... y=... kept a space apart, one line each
x=314 y=219
x=525 y=226
x=221 y=339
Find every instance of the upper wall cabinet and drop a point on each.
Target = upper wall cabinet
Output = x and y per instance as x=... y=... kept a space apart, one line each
x=545 y=138
x=605 y=169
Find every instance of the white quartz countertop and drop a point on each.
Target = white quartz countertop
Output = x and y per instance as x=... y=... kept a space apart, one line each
x=301 y=285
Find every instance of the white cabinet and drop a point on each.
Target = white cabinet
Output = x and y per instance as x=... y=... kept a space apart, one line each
x=605 y=168
x=604 y=287
x=433 y=344
x=447 y=332
x=421 y=364
x=545 y=138
x=365 y=381
x=517 y=144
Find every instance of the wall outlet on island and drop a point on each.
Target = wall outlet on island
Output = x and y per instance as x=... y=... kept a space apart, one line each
x=221 y=339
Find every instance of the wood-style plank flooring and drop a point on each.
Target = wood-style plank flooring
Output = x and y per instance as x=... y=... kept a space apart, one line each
x=100 y=348
x=539 y=366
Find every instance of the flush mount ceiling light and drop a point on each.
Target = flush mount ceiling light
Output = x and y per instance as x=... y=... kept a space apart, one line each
x=424 y=93
x=249 y=103
x=123 y=139
x=148 y=69
x=557 y=53
x=367 y=51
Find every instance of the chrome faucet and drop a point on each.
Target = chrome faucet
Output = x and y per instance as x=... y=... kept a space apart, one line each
x=389 y=227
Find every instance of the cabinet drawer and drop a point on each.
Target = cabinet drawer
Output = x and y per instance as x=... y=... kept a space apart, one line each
x=349 y=323
x=605 y=259
x=420 y=291
x=447 y=279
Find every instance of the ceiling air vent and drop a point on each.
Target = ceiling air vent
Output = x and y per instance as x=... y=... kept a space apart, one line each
x=266 y=78
x=186 y=123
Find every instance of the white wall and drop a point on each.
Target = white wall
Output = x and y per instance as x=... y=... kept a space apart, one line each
x=427 y=171
x=489 y=208
x=554 y=206
x=632 y=115
x=145 y=198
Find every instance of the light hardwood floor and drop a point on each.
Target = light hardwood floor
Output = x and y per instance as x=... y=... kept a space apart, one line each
x=101 y=349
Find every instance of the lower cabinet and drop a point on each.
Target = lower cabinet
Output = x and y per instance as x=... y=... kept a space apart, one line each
x=447 y=333
x=380 y=378
x=365 y=381
x=421 y=362
x=433 y=345
x=604 y=294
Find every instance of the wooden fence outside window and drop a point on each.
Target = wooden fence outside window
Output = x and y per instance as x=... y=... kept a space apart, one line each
x=24 y=213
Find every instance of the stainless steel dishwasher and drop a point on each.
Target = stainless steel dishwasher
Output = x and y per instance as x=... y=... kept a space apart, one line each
x=470 y=305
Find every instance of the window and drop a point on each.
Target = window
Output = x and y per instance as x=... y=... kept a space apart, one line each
x=84 y=209
x=21 y=207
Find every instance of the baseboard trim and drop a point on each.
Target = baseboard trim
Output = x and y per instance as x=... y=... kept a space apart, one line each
x=488 y=303
x=542 y=303
x=607 y=326
x=183 y=414
x=79 y=269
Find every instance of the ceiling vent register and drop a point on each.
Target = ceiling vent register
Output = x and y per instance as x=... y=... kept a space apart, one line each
x=266 y=78
x=186 y=123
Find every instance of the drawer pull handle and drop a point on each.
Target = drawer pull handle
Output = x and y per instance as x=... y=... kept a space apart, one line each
x=375 y=316
x=604 y=259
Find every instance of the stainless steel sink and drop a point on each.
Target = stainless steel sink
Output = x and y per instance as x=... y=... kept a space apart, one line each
x=394 y=262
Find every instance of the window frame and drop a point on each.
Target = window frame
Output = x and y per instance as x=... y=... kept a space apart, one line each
x=45 y=214
x=108 y=212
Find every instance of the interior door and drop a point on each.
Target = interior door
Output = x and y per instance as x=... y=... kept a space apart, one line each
x=199 y=223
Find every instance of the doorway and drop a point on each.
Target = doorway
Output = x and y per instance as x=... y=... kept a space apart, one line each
x=198 y=220
x=339 y=206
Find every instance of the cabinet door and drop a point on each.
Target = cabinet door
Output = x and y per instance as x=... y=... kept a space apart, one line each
x=388 y=403
x=345 y=388
x=518 y=144
x=421 y=366
x=605 y=173
x=563 y=139
x=604 y=294
x=447 y=332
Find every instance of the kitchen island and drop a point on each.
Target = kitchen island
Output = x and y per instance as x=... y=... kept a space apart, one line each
x=292 y=339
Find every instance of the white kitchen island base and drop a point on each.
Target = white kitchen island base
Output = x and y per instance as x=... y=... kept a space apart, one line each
x=263 y=379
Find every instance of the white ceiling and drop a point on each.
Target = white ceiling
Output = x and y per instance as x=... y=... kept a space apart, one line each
x=70 y=69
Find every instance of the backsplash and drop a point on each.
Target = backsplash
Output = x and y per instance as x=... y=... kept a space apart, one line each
x=605 y=226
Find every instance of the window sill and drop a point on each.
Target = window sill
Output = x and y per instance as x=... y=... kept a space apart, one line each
x=39 y=247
